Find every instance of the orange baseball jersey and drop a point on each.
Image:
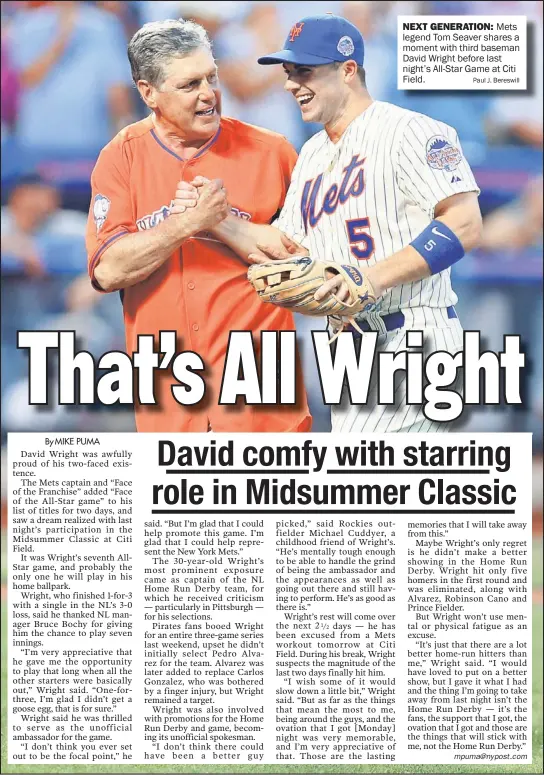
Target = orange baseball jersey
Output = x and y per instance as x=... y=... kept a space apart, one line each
x=202 y=291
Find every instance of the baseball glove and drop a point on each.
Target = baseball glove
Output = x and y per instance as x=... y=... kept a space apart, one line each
x=292 y=284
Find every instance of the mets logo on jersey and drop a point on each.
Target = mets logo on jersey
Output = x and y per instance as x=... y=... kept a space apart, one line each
x=443 y=155
x=314 y=204
x=295 y=31
x=240 y=213
x=101 y=207
x=154 y=218
x=345 y=46
x=158 y=216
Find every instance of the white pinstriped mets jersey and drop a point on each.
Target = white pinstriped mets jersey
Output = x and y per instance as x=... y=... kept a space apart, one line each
x=369 y=195
x=366 y=197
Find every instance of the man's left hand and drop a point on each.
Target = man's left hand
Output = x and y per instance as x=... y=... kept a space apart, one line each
x=289 y=249
x=334 y=285
x=337 y=286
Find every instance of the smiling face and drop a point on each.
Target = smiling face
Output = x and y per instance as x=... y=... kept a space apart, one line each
x=188 y=101
x=321 y=91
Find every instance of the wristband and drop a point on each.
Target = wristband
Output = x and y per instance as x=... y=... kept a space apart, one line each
x=439 y=246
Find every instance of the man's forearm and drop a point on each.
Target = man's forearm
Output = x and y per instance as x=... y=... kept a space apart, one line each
x=135 y=257
x=406 y=266
x=244 y=237
x=461 y=215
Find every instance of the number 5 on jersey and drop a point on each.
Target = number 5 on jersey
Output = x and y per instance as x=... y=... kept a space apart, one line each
x=360 y=242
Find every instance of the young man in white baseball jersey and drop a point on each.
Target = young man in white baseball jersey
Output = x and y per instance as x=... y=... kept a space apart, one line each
x=383 y=188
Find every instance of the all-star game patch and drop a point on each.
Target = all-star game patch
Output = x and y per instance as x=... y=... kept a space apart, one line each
x=345 y=46
x=443 y=155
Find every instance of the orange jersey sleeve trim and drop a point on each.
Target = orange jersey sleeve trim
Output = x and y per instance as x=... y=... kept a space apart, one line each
x=95 y=258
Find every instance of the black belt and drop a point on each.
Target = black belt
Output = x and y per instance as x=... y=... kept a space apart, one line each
x=393 y=320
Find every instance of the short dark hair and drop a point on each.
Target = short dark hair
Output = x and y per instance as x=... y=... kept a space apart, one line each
x=360 y=72
x=154 y=44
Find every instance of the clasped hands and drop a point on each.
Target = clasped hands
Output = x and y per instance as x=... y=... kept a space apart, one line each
x=187 y=197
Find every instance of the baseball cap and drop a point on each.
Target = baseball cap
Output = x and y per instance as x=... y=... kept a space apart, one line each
x=319 y=40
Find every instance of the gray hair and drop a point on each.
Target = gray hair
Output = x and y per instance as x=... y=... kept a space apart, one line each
x=156 y=43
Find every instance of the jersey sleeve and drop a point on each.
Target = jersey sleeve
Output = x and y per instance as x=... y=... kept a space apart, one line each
x=110 y=214
x=290 y=219
x=430 y=165
x=288 y=160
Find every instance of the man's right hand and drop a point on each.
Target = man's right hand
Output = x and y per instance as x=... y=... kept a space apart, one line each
x=227 y=230
x=208 y=209
x=187 y=194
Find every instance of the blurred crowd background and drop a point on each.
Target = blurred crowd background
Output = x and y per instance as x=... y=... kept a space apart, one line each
x=66 y=90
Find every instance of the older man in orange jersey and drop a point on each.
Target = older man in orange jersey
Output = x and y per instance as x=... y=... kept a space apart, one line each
x=172 y=273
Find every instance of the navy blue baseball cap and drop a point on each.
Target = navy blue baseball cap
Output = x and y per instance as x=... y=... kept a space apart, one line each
x=319 y=40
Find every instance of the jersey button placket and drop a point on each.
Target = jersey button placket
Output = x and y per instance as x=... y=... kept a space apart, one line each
x=190 y=285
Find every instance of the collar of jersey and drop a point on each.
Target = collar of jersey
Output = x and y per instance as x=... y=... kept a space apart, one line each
x=361 y=118
x=202 y=150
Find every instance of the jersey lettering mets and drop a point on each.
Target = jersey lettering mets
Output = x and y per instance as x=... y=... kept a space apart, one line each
x=369 y=195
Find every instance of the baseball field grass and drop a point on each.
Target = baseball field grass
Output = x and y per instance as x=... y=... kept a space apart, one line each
x=535 y=767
